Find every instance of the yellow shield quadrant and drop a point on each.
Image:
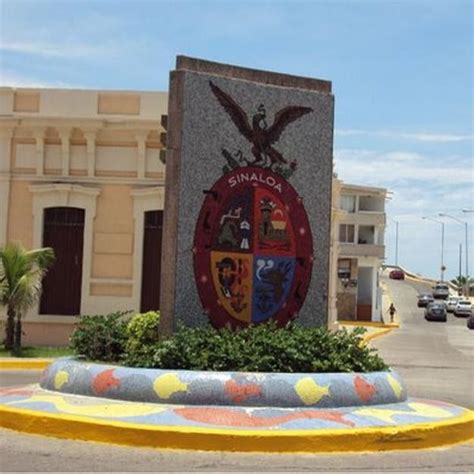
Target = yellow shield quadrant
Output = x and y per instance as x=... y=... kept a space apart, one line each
x=232 y=278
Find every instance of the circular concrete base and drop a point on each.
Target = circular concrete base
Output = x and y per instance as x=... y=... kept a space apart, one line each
x=412 y=424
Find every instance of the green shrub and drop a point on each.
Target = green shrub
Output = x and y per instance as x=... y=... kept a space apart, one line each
x=101 y=337
x=262 y=348
x=142 y=334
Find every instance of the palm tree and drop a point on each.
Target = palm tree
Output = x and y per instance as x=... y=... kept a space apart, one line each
x=461 y=281
x=21 y=273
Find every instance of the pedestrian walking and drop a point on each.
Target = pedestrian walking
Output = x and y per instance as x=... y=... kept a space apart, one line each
x=392 y=312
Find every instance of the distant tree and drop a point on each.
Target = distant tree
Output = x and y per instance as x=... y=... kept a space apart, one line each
x=461 y=282
x=21 y=273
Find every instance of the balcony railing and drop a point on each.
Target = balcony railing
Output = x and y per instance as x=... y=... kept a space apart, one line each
x=361 y=250
x=364 y=218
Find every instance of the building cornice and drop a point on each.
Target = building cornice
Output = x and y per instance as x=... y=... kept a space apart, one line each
x=64 y=187
x=148 y=191
x=85 y=180
x=25 y=122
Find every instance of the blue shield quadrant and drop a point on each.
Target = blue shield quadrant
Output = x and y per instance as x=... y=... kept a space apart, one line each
x=272 y=280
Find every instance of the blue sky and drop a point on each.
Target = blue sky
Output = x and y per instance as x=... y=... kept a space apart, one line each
x=402 y=74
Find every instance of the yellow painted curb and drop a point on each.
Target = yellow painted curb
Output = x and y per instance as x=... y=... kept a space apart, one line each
x=382 y=329
x=28 y=364
x=369 y=324
x=374 y=335
x=416 y=436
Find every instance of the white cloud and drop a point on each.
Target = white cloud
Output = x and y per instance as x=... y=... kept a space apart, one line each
x=9 y=79
x=422 y=185
x=58 y=50
x=422 y=137
x=389 y=168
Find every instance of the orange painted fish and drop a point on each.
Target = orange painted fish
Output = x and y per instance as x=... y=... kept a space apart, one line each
x=364 y=389
x=239 y=393
x=228 y=417
x=16 y=391
x=104 y=381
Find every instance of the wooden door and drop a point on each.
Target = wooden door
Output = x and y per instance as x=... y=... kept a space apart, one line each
x=63 y=230
x=151 y=266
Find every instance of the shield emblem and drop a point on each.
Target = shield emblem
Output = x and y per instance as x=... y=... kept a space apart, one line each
x=253 y=252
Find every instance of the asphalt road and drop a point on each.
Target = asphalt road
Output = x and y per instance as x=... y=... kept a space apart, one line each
x=20 y=452
x=18 y=377
x=436 y=360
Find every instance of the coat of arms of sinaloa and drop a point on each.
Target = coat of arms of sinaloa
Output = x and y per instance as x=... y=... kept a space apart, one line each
x=253 y=247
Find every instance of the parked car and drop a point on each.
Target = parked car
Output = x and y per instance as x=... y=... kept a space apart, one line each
x=441 y=291
x=451 y=303
x=436 y=312
x=424 y=299
x=463 y=308
x=397 y=275
x=470 y=321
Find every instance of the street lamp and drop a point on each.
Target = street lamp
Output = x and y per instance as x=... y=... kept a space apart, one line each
x=442 y=268
x=466 y=248
x=396 y=240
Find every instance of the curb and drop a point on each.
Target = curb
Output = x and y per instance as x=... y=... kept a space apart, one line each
x=26 y=364
x=416 y=436
x=381 y=329
x=369 y=324
x=419 y=280
x=369 y=337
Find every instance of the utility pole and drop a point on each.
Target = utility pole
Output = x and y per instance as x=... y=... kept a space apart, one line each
x=396 y=243
x=466 y=247
x=460 y=259
x=396 y=240
x=442 y=267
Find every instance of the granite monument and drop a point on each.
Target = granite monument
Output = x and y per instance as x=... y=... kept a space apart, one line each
x=247 y=202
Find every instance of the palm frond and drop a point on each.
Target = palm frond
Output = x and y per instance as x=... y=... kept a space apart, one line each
x=21 y=274
x=43 y=257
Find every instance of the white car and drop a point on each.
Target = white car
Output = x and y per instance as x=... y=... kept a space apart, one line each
x=463 y=308
x=451 y=303
x=441 y=291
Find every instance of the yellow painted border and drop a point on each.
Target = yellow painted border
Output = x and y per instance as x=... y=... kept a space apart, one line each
x=416 y=436
x=373 y=335
x=369 y=324
x=381 y=329
x=27 y=364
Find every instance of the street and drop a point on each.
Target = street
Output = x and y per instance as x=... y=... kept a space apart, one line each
x=33 y=453
x=435 y=360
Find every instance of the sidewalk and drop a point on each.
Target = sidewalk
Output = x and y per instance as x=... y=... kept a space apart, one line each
x=376 y=329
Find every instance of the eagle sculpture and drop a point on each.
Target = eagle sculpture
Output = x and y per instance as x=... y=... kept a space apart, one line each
x=259 y=134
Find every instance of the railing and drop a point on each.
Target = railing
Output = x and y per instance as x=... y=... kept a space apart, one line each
x=361 y=250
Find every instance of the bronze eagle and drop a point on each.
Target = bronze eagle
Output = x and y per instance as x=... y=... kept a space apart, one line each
x=259 y=134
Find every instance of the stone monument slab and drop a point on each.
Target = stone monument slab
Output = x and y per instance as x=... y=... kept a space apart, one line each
x=248 y=197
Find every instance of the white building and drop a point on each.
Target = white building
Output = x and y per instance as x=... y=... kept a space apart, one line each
x=361 y=252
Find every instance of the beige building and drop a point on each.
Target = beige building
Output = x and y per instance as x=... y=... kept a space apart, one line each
x=82 y=171
x=361 y=230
